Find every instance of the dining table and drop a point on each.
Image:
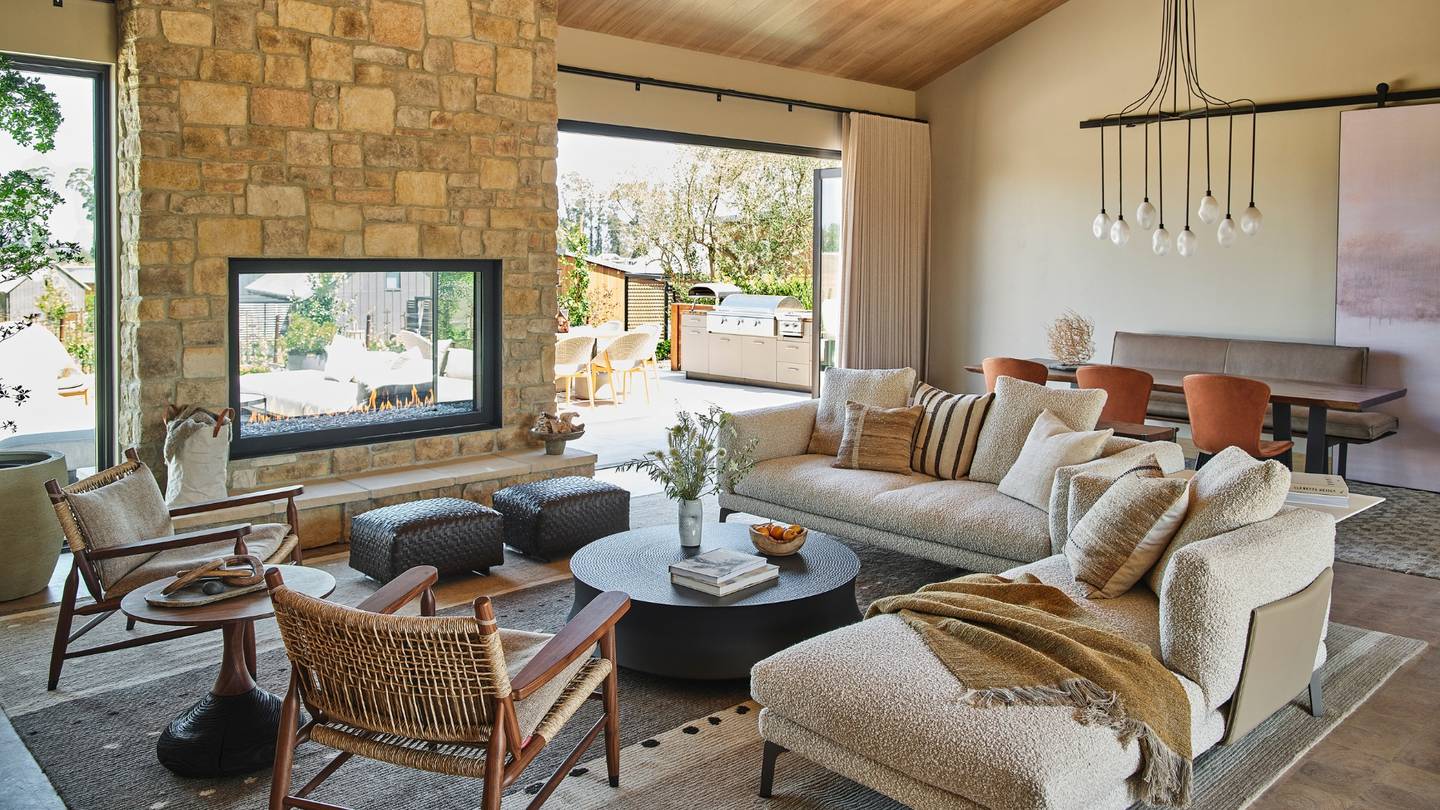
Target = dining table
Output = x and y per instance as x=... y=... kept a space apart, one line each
x=1318 y=397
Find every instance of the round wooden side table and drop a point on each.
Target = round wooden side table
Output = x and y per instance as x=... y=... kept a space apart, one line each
x=231 y=730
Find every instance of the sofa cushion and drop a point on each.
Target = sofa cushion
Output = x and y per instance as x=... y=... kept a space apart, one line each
x=1050 y=445
x=877 y=438
x=883 y=388
x=1119 y=538
x=1232 y=490
x=811 y=484
x=948 y=431
x=969 y=514
x=1017 y=405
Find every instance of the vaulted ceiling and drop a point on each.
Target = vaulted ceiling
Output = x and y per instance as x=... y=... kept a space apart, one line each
x=899 y=43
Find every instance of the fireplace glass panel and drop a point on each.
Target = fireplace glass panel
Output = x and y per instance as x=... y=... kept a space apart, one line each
x=328 y=353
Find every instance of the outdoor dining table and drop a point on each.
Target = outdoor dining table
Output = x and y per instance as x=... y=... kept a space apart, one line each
x=1319 y=397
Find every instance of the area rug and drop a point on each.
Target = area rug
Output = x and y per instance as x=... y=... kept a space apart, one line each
x=1398 y=535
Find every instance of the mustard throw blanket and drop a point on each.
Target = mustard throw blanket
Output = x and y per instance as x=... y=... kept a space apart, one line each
x=1022 y=642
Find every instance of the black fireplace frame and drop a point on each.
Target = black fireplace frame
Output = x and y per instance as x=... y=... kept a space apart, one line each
x=488 y=373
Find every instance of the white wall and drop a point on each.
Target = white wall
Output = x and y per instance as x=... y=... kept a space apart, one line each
x=584 y=98
x=1016 y=180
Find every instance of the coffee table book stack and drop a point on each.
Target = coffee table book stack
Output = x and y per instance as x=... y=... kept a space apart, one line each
x=1318 y=489
x=721 y=572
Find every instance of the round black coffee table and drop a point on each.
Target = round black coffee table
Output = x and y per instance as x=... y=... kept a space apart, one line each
x=681 y=633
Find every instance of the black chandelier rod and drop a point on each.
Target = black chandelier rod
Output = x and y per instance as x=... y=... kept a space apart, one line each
x=721 y=92
x=1382 y=96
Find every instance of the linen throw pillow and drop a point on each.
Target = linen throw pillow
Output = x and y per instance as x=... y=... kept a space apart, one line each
x=877 y=438
x=126 y=511
x=883 y=388
x=1232 y=490
x=947 y=432
x=1050 y=445
x=1017 y=405
x=1123 y=535
x=1086 y=488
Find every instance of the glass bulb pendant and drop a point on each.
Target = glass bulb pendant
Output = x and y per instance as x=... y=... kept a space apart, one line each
x=1225 y=234
x=1187 y=242
x=1251 y=220
x=1160 y=241
x=1120 y=232
x=1100 y=226
x=1209 y=210
x=1145 y=214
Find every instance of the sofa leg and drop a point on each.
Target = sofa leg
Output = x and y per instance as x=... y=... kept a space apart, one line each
x=725 y=513
x=767 y=767
x=1317 y=697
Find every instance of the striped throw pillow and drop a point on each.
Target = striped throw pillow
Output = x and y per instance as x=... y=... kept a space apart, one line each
x=948 y=431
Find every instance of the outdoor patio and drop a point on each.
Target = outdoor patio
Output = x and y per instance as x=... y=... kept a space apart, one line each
x=619 y=433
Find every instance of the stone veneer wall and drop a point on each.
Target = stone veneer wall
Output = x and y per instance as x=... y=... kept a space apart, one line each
x=328 y=128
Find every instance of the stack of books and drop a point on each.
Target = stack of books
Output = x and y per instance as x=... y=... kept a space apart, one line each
x=1316 y=489
x=721 y=572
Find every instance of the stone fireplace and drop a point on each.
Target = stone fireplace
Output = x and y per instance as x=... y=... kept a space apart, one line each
x=330 y=129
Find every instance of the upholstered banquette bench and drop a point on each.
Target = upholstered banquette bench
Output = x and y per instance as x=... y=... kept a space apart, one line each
x=1312 y=362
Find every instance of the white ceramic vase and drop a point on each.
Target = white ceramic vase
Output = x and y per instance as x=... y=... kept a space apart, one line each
x=692 y=517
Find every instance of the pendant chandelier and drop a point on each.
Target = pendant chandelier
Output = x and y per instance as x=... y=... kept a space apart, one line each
x=1177 y=78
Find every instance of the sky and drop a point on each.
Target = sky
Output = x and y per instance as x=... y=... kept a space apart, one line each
x=607 y=162
x=74 y=148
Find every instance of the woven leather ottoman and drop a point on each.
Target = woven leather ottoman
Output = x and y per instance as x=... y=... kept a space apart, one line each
x=454 y=535
x=557 y=517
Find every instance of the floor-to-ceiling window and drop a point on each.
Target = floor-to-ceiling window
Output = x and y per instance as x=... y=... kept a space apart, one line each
x=55 y=356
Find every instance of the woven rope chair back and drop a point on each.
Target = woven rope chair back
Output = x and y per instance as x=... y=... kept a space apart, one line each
x=69 y=523
x=628 y=349
x=423 y=677
x=573 y=352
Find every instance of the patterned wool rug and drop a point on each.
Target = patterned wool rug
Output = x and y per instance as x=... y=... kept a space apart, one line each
x=1398 y=535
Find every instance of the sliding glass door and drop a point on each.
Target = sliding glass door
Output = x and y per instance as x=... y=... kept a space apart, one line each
x=55 y=345
x=829 y=315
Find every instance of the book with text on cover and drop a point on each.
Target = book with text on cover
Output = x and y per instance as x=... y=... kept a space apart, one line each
x=757 y=576
x=1318 y=489
x=717 y=566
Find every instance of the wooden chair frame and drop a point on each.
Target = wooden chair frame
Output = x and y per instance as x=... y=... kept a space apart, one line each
x=506 y=752
x=84 y=559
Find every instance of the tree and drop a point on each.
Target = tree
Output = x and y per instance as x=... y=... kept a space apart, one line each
x=31 y=115
x=82 y=182
x=574 y=281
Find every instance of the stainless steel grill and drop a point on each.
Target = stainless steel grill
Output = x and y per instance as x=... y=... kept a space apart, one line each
x=745 y=314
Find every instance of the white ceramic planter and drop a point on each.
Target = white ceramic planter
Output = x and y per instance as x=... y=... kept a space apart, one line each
x=30 y=535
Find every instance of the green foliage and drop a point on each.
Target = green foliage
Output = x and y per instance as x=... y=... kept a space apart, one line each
x=575 y=275
x=455 y=308
x=304 y=335
x=694 y=464
x=802 y=288
x=28 y=112
x=53 y=303
x=662 y=349
x=321 y=306
x=80 y=343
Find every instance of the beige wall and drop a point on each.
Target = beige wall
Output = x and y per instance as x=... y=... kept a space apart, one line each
x=82 y=29
x=583 y=98
x=1016 y=180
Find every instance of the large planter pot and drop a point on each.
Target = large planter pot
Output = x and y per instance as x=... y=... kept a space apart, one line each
x=30 y=535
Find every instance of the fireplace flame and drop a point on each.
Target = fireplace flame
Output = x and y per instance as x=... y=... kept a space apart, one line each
x=374 y=403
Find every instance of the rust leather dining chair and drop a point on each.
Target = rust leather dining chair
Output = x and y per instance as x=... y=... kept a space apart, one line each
x=1225 y=411
x=1127 y=391
x=1027 y=370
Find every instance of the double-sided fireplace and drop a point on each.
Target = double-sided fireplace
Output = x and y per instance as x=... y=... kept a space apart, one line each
x=336 y=352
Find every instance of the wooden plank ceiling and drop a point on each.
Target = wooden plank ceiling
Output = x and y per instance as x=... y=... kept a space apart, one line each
x=898 y=43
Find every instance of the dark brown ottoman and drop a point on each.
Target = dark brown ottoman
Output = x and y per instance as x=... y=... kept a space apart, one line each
x=454 y=535
x=557 y=517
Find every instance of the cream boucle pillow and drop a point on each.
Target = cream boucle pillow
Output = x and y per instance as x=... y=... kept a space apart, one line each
x=1125 y=532
x=881 y=388
x=1232 y=490
x=1017 y=405
x=1050 y=445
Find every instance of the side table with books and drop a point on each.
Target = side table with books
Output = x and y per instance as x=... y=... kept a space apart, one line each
x=679 y=630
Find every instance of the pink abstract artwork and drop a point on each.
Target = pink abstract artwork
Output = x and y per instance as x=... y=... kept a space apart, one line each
x=1387 y=286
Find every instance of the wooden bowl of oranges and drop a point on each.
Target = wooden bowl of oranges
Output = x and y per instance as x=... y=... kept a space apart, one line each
x=778 y=539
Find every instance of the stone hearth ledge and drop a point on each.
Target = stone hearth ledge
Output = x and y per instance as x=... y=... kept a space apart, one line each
x=327 y=504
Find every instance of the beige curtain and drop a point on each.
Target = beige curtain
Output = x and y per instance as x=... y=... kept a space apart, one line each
x=886 y=171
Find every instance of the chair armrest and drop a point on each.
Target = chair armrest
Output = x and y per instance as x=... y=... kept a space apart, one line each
x=279 y=493
x=399 y=592
x=574 y=640
x=198 y=537
x=1212 y=587
x=779 y=431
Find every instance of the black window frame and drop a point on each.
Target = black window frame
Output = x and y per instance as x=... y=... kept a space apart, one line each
x=488 y=371
x=106 y=289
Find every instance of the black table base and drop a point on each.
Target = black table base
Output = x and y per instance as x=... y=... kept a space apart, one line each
x=222 y=735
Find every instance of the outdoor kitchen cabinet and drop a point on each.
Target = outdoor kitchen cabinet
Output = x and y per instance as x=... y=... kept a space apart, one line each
x=695 y=347
x=757 y=356
x=727 y=357
x=755 y=339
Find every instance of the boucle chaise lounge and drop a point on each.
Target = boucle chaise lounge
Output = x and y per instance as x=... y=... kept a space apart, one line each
x=1238 y=620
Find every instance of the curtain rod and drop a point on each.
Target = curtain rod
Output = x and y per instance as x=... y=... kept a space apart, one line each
x=721 y=92
x=1379 y=98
